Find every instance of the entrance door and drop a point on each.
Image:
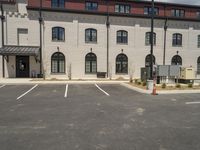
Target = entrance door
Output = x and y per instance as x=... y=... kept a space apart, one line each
x=22 y=66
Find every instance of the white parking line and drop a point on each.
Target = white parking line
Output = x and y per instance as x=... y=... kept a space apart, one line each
x=102 y=90
x=2 y=86
x=189 y=103
x=66 y=91
x=27 y=92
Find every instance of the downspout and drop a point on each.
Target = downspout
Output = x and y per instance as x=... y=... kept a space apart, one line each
x=2 y=29
x=165 y=37
x=108 y=26
x=40 y=22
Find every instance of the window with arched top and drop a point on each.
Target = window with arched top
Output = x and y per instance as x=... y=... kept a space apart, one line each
x=90 y=63
x=122 y=64
x=122 y=37
x=58 y=3
x=198 y=65
x=58 y=63
x=58 y=34
x=176 y=60
x=148 y=38
x=198 y=41
x=90 y=35
x=148 y=60
x=177 y=39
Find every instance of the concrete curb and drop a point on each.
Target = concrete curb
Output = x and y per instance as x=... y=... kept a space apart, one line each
x=30 y=81
x=161 y=92
x=136 y=88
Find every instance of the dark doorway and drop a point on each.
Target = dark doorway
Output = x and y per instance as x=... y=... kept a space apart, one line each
x=22 y=66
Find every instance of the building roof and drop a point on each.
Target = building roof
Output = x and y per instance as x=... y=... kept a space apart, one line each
x=20 y=50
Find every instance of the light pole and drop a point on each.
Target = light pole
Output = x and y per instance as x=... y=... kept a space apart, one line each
x=152 y=39
x=165 y=37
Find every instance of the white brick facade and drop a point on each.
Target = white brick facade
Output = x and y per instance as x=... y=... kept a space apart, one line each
x=75 y=49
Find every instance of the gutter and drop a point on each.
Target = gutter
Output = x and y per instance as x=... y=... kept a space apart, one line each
x=2 y=29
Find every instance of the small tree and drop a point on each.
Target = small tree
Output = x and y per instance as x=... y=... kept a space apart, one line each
x=69 y=71
x=131 y=72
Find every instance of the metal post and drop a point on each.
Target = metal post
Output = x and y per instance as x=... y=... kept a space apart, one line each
x=40 y=22
x=165 y=35
x=107 y=26
x=2 y=29
x=152 y=39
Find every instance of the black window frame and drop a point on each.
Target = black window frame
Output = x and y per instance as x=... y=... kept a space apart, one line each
x=122 y=8
x=91 y=39
x=57 y=3
x=176 y=42
x=58 y=59
x=58 y=35
x=91 y=7
x=122 y=39
x=176 y=60
x=148 y=38
x=198 y=65
x=198 y=41
x=148 y=60
x=148 y=11
x=121 y=60
x=180 y=13
x=91 y=58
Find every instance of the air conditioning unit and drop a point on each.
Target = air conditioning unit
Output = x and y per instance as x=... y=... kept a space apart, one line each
x=187 y=73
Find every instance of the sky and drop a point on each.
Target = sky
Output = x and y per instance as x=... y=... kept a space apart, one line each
x=191 y=2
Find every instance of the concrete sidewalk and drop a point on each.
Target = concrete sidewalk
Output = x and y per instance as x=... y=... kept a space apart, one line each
x=192 y=91
x=41 y=81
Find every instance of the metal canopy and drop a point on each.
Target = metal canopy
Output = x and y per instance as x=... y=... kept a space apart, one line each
x=20 y=51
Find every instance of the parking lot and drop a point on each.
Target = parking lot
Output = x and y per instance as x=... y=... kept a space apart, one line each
x=96 y=117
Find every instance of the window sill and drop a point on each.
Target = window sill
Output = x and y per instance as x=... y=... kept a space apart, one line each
x=90 y=73
x=177 y=46
x=122 y=43
x=91 y=43
x=121 y=73
x=58 y=73
x=58 y=41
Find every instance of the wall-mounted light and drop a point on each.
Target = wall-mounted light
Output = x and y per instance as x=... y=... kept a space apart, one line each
x=122 y=50
x=90 y=49
x=58 y=48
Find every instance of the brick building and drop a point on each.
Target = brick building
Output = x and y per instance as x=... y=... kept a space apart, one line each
x=78 y=38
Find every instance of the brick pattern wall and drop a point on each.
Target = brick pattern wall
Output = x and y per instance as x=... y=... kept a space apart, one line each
x=136 y=7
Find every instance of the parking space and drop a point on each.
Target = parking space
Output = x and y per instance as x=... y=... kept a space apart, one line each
x=96 y=116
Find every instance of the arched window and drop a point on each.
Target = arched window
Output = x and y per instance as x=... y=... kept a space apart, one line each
x=177 y=39
x=122 y=37
x=176 y=60
x=58 y=3
x=198 y=41
x=148 y=38
x=90 y=35
x=198 y=65
x=58 y=63
x=58 y=34
x=148 y=60
x=90 y=63
x=122 y=64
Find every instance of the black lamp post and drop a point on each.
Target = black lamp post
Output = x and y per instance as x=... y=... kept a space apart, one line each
x=152 y=39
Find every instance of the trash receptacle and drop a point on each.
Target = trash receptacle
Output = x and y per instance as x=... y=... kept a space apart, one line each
x=149 y=84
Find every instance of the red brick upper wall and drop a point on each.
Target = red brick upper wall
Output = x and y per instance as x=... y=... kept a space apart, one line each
x=136 y=7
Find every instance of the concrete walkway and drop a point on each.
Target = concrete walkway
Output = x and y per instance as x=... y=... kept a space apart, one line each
x=192 y=91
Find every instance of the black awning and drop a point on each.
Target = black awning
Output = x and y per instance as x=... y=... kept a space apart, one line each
x=20 y=50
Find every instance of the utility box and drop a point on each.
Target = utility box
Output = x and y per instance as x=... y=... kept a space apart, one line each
x=187 y=73
x=145 y=73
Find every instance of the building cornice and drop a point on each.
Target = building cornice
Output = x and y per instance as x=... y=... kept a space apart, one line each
x=110 y=14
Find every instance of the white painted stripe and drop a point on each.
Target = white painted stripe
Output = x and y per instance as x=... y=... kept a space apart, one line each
x=27 y=92
x=102 y=90
x=66 y=91
x=2 y=86
x=189 y=103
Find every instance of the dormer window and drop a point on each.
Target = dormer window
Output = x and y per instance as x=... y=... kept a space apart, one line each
x=148 y=11
x=122 y=8
x=92 y=6
x=178 y=12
